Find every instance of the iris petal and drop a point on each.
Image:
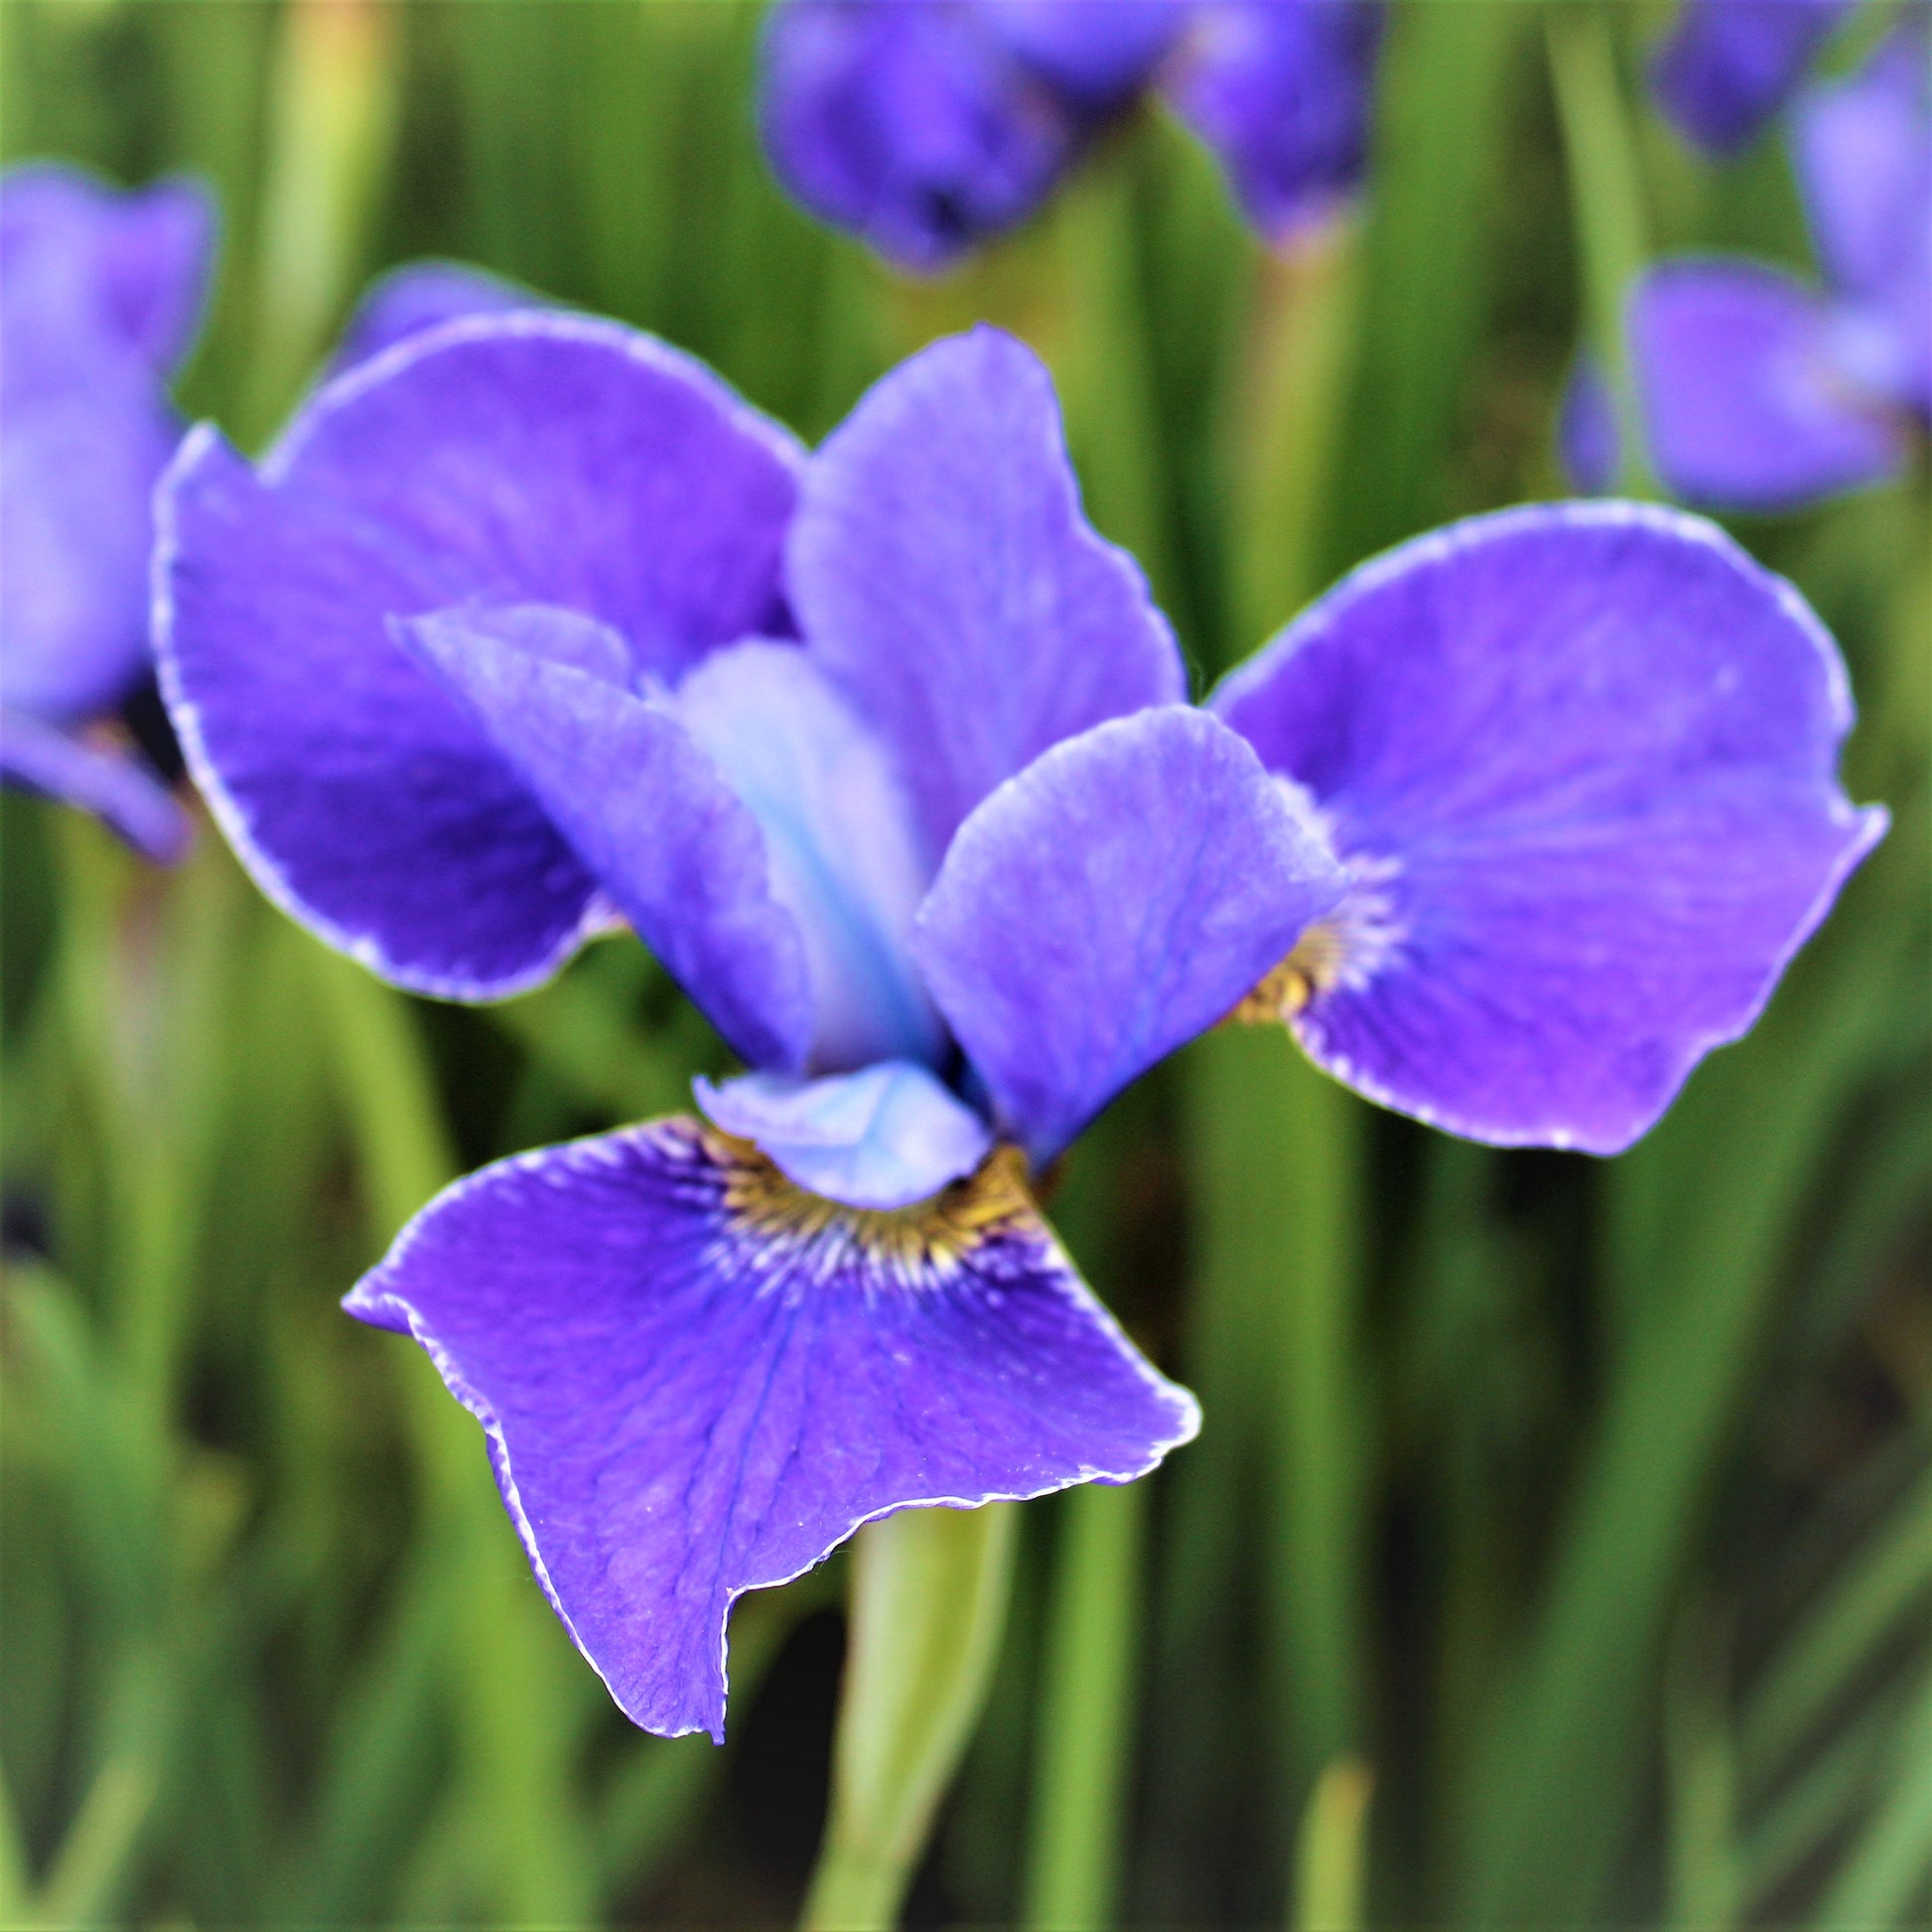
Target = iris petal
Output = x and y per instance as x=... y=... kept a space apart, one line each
x=518 y=459
x=420 y=296
x=1097 y=53
x=910 y=125
x=1728 y=65
x=886 y=1136
x=114 y=786
x=1282 y=95
x=642 y=808
x=1744 y=397
x=1582 y=758
x=1117 y=897
x=99 y=293
x=77 y=465
x=942 y=563
x=84 y=259
x=839 y=834
x=1586 y=429
x=697 y=1382
x=1864 y=149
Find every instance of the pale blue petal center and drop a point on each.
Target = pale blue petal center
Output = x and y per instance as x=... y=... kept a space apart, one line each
x=883 y=1138
x=839 y=834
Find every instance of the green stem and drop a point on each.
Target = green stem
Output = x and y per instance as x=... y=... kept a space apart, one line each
x=1197 y=1685
x=404 y=1148
x=1556 y=1778
x=1313 y=1157
x=1606 y=201
x=928 y=1600
x=1444 y=118
x=1275 y=1188
x=1277 y=1194
x=512 y=1664
x=1884 y=1866
x=1104 y=366
x=1705 y=1862
x=1331 y=1854
x=1274 y=1179
x=332 y=125
x=95 y=1865
x=1086 y=1712
x=145 y=966
x=1298 y=361
x=1278 y=1184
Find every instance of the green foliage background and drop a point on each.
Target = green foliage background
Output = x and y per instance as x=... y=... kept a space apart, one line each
x=1583 y=1507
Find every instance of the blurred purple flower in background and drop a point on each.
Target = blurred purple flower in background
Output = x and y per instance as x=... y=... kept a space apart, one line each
x=101 y=293
x=927 y=126
x=423 y=295
x=532 y=627
x=1728 y=65
x=1758 y=390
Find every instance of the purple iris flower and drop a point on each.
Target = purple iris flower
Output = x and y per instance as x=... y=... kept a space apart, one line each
x=100 y=295
x=927 y=126
x=528 y=626
x=1760 y=391
x=1728 y=65
x=423 y=295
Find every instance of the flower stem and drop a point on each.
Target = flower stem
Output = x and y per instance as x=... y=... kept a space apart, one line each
x=333 y=122
x=1086 y=1712
x=1606 y=199
x=1277 y=1190
x=1104 y=366
x=139 y=946
x=928 y=1600
x=1330 y=1857
x=510 y=1663
x=1289 y=414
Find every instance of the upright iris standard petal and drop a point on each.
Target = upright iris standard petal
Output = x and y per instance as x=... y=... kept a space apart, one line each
x=838 y=832
x=1117 y=897
x=1863 y=150
x=1728 y=65
x=940 y=562
x=1099 y=53
x=1745 y=400
x=521 y=459
x=420 y=296
x=697 y=1381
x=884 y=1137
x=642 y=808
x=365 y=800
x=910 y=125
x=561 y=460
x=1283 y=94
x=1581 y=760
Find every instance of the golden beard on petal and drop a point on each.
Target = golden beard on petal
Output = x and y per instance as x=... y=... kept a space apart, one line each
x=1312 y=966
x=929 y=1237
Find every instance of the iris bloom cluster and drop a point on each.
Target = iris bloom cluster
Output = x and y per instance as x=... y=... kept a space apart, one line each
x=1729 y=66
x=528 y=628
x=927 y=126
x=102 y=294
x=1758 y=390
